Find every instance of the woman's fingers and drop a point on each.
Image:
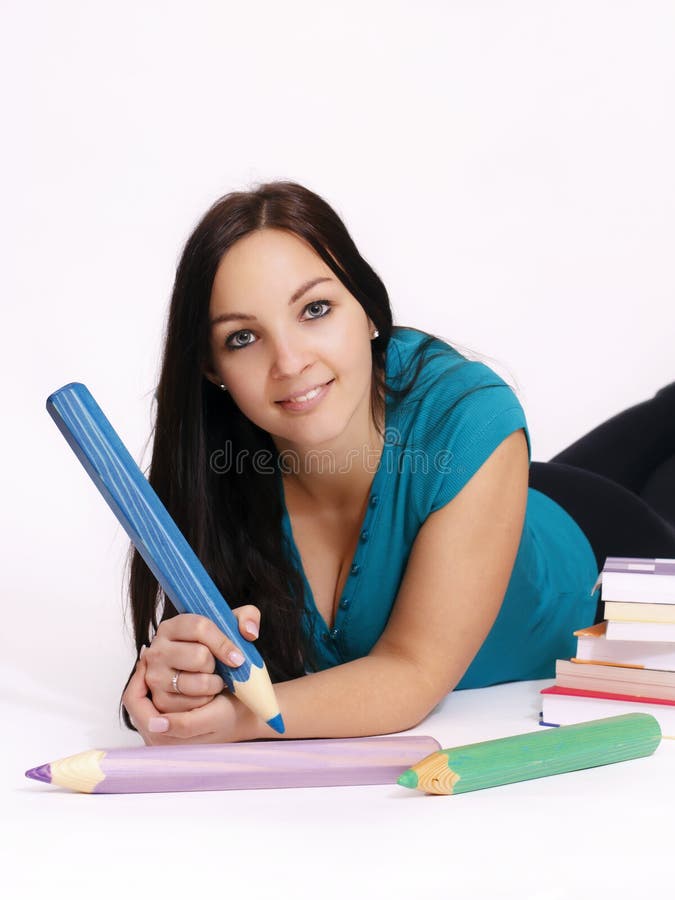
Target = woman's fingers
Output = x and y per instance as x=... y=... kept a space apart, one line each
x=248 y=618
x=163 y=667
x=190 y=644
x=136 y=702
x=166 y=701
x=213 y=723
x=192 y=684
x=197 y=629
x=188 y=656
x=147 y=718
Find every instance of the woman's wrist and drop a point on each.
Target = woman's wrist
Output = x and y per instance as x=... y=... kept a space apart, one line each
x=248 y=726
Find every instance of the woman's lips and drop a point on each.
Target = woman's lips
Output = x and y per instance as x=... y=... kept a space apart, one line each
x=295 y=406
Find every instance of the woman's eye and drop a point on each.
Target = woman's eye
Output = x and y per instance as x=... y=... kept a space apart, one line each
x=324 y=307
x=319 y=303
x=233 y=337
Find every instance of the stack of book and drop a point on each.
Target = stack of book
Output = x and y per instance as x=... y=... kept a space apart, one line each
x=626 y=663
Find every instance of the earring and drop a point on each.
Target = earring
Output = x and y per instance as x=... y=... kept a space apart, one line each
x=376 y=334
x=222 y=387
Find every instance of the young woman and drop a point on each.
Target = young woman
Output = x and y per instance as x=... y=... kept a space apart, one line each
x=362 y=494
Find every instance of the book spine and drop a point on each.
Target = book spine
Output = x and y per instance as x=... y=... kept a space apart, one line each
x=621 y=688
x=639 y=612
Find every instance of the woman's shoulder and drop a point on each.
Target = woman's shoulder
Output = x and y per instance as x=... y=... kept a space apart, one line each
x=443 y=367
x=455 y=400
x=407 y=338
x=459 y=411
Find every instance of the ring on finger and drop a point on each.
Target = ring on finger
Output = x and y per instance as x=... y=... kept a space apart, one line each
x=174 y=682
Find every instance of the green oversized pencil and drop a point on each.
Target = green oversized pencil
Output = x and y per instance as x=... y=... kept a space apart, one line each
x=534 y=755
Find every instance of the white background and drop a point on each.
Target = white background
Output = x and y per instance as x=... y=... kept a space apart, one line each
x=506 y=168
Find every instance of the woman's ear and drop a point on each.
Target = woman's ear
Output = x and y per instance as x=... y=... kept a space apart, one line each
x=212 y=376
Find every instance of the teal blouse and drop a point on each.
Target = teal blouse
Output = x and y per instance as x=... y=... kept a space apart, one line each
x=435 y=440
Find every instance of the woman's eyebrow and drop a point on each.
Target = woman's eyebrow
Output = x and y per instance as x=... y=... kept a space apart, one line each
x=228 y=317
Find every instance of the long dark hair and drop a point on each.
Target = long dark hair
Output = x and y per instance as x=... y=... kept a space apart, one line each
x=233 y=519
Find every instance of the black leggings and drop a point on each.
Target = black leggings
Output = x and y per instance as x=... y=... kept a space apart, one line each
x=618 y=482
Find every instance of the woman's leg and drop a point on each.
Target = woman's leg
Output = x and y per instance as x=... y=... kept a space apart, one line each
x=659 y=490
x=636 y=449
x=616 y=521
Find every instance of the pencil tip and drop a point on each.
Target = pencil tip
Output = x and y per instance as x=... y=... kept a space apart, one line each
x=277 y=723
x=40 y=773
x=408 y=779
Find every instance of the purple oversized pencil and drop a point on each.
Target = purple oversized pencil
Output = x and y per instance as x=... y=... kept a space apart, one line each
x=157 y=538
x=226 y=767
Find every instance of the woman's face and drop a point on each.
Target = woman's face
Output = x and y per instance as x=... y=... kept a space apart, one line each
x=281 y=324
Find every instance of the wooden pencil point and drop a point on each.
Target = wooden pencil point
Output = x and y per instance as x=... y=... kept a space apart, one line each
x=408 y=779
x=40 y=773
x=277 y=723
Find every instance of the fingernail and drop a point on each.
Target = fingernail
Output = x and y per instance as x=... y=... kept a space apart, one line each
x=236 y=657
x=252 y=628
x=143 y=649
x=158 y=724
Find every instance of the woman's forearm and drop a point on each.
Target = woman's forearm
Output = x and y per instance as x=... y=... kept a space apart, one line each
x=377 y=694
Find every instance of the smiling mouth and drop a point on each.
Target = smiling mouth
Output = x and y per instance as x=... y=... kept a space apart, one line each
x=308 y=395
x=314 y=398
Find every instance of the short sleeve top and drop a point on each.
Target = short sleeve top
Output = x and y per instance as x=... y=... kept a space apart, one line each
x=436 y=438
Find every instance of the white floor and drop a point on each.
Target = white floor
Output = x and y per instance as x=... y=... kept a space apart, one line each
x=603 y=832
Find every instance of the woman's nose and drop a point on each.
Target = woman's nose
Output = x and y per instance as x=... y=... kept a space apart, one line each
x=291 y=355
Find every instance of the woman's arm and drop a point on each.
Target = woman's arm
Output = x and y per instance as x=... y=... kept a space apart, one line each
x=453 y=588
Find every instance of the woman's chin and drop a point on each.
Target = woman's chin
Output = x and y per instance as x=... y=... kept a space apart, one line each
x=305 y=437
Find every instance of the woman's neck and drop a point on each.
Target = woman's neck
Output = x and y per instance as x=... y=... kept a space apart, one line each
x=339 y=482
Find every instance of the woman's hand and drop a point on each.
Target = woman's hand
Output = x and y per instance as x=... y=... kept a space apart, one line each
x=222 y=720
x=190 y=644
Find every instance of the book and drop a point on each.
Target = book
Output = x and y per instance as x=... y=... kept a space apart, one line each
x=615 y=679
x=662 y=632
x=639 y=612
x=568 y=706
x=593 y=646
x=638 y=580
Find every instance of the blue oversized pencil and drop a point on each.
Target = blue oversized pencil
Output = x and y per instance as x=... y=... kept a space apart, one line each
x=157 y=538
